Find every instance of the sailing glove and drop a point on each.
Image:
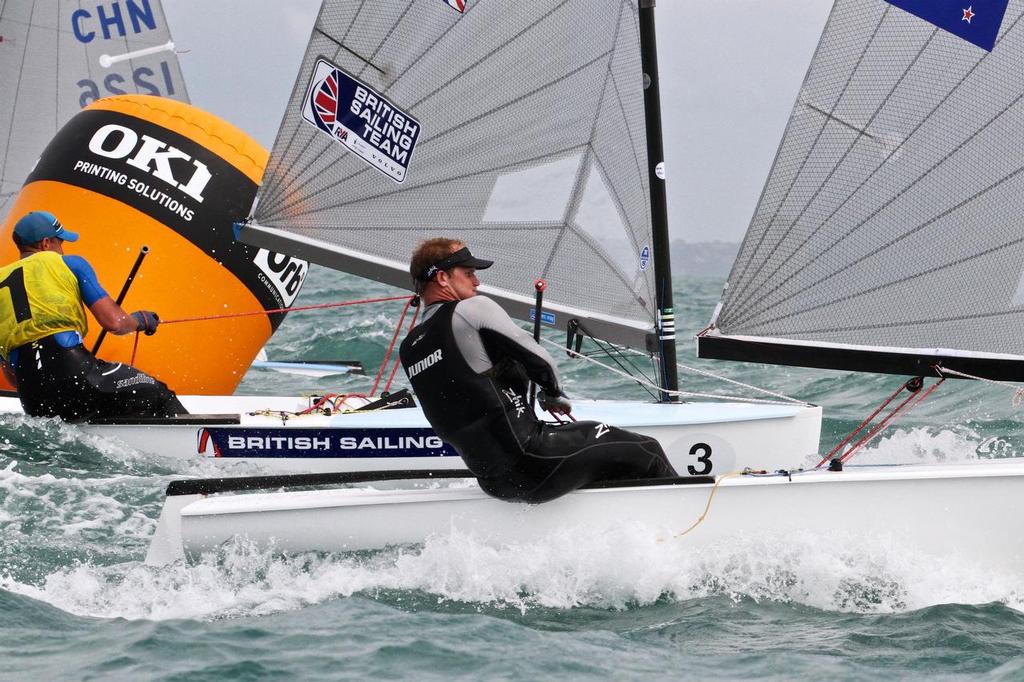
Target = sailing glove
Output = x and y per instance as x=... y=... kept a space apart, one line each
x=555 y=404
x=147 y=321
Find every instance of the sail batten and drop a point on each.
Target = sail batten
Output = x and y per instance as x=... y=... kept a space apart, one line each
x=894 y=212
x=409 y=120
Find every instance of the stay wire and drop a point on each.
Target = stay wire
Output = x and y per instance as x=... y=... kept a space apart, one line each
x=610 y=355
x=685 y=394
x=292 y=309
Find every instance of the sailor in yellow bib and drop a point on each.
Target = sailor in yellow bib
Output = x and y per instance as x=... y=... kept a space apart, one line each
x=42 y=323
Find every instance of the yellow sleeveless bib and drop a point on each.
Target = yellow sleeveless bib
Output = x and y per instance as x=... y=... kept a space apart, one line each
x=39 y=296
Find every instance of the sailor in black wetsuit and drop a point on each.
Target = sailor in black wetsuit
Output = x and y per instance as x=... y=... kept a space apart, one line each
x=470 y=365
x=42 y=324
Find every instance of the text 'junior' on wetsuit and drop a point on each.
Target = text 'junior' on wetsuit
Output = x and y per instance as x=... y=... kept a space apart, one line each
x=470 y=366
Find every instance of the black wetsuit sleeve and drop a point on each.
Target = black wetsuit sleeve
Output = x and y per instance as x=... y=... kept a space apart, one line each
x=486 y=335
x=500 y=346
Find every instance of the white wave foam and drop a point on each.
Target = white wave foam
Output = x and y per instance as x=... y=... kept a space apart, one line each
x=625 y=567
x=919 y=445
x=53 y=435
x=70 y=507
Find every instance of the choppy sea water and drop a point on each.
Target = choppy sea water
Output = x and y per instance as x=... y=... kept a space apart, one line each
x=77 y=602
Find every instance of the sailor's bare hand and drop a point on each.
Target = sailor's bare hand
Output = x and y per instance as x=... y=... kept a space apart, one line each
x=558 y=404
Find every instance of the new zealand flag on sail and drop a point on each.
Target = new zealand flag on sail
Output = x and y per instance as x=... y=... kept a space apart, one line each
x=976 y=21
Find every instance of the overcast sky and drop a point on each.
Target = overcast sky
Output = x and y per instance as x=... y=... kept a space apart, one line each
x=730 y=71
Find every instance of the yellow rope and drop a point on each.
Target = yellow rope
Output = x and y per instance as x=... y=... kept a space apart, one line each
x=707 y=507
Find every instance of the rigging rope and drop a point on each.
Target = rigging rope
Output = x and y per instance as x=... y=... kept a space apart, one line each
x=910 y=403
x=711 y=496
x=293 y=309
x=398 y=328
x=1018 y=390
x=687 y=394
x=391 y=347
x=916 y=397
x=646 y=383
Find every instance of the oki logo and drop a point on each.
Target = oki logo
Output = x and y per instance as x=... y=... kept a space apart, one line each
x=151 y=155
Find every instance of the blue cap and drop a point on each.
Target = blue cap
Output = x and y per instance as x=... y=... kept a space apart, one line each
x=38 y=225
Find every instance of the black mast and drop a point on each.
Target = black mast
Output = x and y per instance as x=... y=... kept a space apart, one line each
x=659 y=208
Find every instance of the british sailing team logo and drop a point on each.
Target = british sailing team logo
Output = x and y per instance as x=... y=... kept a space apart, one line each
x=457 y=5
x=360 y=118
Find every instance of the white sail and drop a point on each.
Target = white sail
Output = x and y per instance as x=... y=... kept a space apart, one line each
x=56 y=56
x=890 y=233
x=410 y=119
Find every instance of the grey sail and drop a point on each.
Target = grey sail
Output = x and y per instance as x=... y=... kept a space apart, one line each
x=56 y=56
x=890 y=234
x=411 y=119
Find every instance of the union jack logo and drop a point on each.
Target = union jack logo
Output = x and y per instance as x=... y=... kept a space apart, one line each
x=325 y=103
x=457 y=5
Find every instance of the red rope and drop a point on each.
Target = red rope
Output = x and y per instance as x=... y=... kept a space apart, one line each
x=391 y=347
x=287 y=310
x=914 y=399
x=394 y=369
x=864 y=423
x=320 y=403
x=910 y=402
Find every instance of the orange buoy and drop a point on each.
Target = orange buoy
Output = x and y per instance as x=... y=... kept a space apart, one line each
x=134 y=171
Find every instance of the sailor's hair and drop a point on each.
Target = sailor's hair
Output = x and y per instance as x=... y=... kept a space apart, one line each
x=430 y=252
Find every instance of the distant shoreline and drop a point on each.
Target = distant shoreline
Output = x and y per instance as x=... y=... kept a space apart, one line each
x=703 y=259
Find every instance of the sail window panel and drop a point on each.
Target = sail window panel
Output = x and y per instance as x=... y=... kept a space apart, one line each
x=599 y=216
x=452 y=207
x=614 y=206
x=591 y=281
x=619 y=139
x=448 y=147
x=539 y=193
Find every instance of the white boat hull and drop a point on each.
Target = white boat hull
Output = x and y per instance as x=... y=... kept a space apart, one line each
x=965 y=512
x=700 y=438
